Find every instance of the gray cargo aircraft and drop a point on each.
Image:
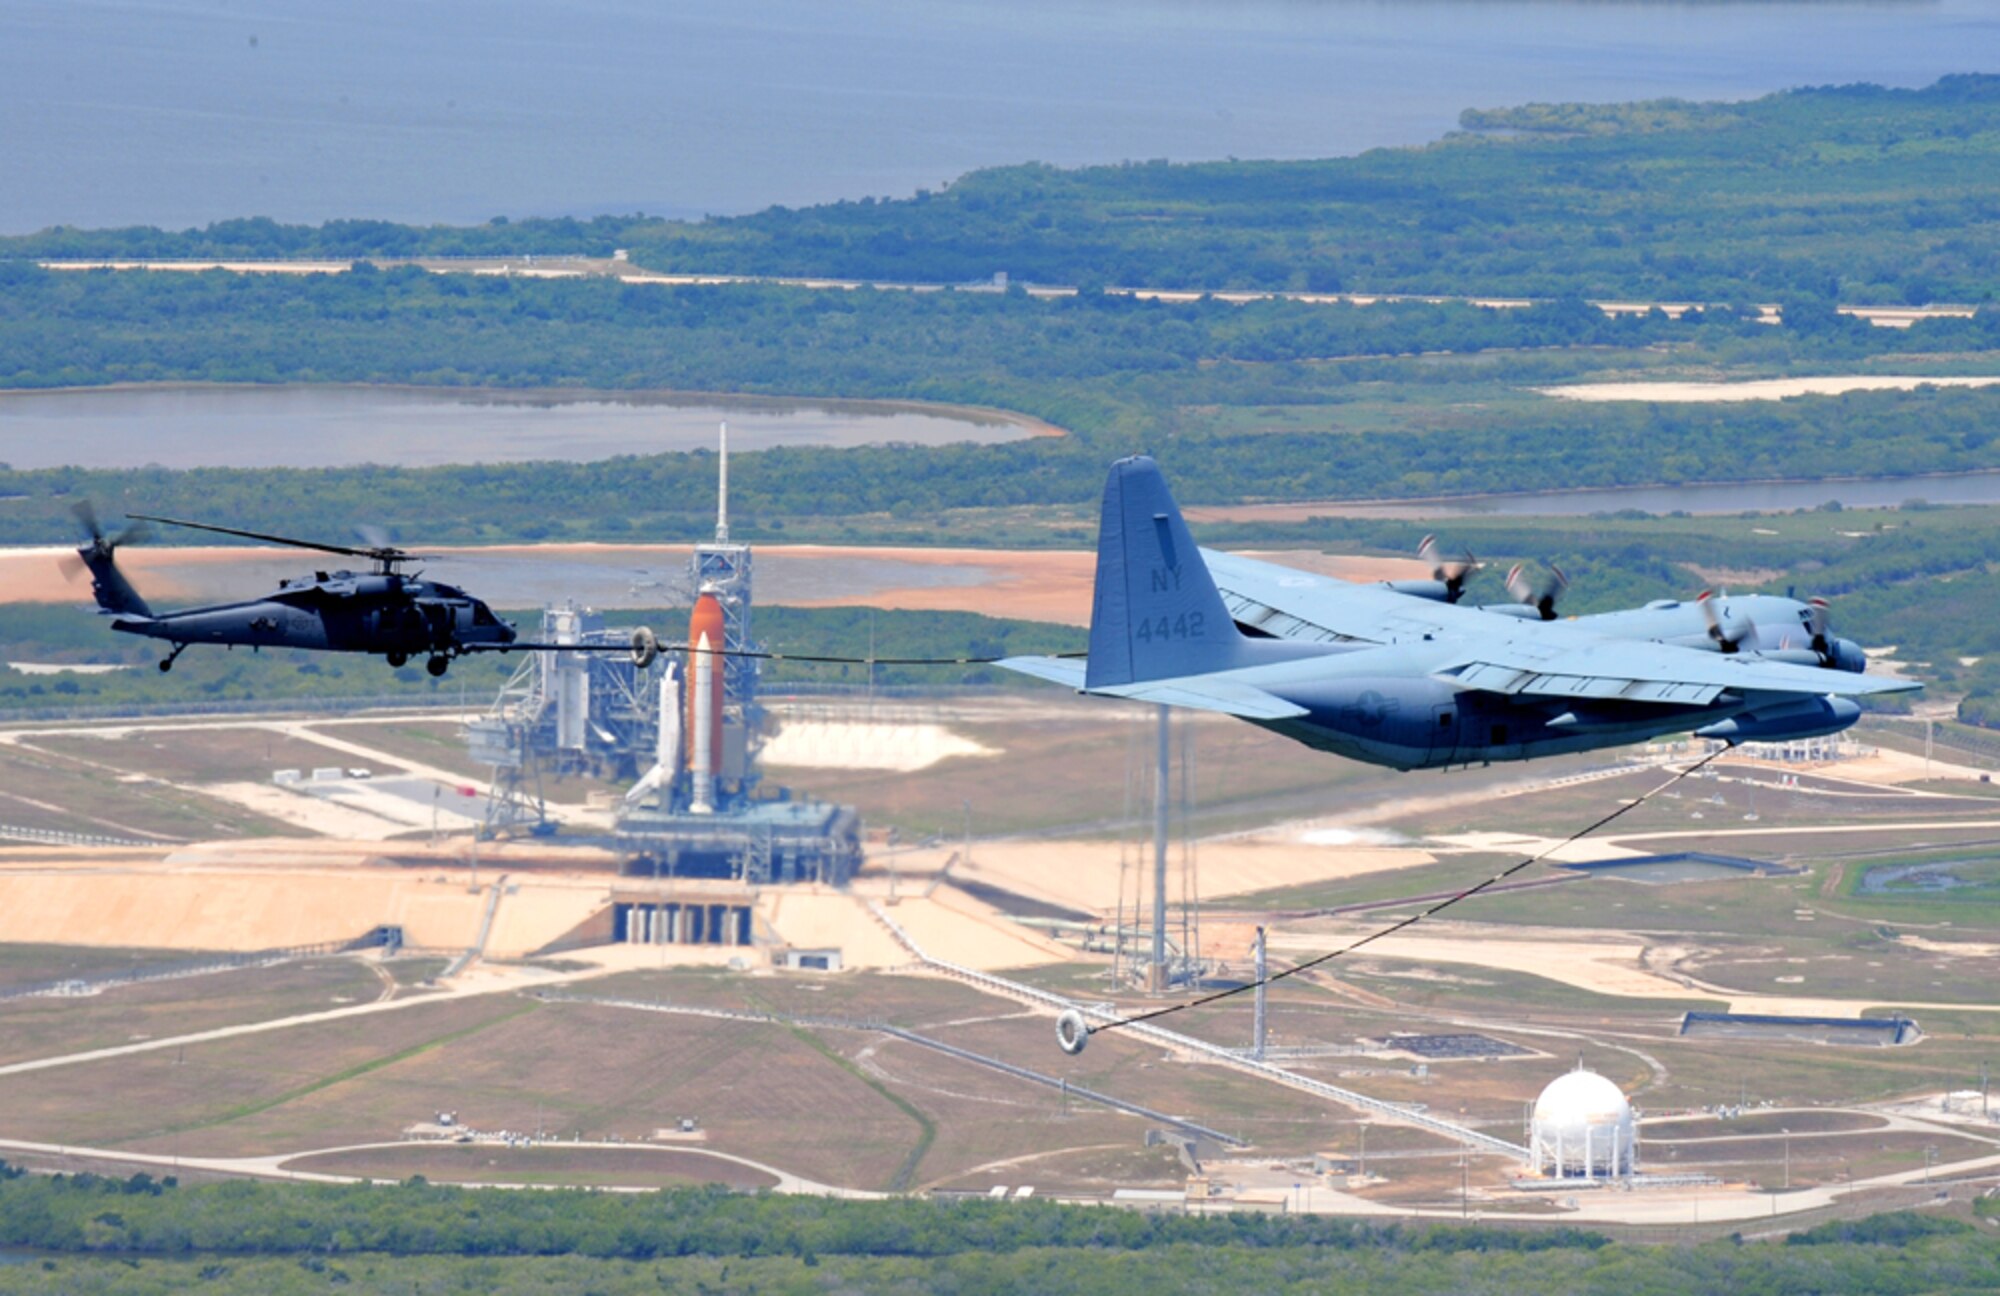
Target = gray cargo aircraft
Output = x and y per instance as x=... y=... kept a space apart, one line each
x=1400 y=674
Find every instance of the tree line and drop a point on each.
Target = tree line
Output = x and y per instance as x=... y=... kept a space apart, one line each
x=140 y=1234
x=1856 y=192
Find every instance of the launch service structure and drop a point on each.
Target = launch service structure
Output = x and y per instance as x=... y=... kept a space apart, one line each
x=686 y=727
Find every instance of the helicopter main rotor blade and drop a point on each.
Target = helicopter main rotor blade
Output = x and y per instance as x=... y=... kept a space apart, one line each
x=379 y=555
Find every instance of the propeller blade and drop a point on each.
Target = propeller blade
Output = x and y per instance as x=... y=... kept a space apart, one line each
x=1451 y=571
x=1707 y=602
x=86 y=513
x=1540 y=594
x=1821 y=616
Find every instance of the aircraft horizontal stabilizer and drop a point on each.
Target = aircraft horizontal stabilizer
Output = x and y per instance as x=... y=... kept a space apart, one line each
x=1208 y=693
x=1067 y=671
x=1197 y=692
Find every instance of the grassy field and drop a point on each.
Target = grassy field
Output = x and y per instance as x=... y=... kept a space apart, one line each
x=1752 y=1124
x=33 y=964
x=228 y=1097
x=56 y=792
x=51 y=1027
x=194 y=753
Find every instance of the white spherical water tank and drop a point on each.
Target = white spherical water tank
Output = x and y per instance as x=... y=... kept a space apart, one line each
x=1583 y=1129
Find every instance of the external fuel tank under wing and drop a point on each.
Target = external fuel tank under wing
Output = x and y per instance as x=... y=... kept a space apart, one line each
x=1393 y=678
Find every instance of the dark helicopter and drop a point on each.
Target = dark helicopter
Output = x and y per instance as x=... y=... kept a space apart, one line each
x=381 y=611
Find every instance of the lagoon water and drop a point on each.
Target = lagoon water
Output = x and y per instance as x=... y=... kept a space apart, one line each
x=178 y=112
x=333 y=426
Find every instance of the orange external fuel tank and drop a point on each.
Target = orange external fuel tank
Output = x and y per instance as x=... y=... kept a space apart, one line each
x=704 y=723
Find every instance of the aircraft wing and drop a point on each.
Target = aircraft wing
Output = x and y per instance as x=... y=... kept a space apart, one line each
x=1292 y=604
x=1625 y=670
x=1218 y=692
x=1503 y=655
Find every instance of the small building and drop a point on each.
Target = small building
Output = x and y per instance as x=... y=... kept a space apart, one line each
x=1868 y=1032
x=1583 y=1129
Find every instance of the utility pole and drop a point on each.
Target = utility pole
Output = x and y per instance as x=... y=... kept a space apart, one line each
x=1258 y=1028
x=1162 y=772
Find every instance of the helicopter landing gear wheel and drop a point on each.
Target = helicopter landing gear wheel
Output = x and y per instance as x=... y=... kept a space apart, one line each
x=167 y=662
x=438 y=665
x=396 y=658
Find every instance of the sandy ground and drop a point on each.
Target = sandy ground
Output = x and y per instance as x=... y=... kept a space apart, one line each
x=1602 y=965
x=815 y=744
x=264 y=895
x=1039 y=585
x=1889 y=768
x=1761 y=389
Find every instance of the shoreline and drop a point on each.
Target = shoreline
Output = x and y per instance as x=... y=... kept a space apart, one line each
x=979 y=415
x=1466 y=505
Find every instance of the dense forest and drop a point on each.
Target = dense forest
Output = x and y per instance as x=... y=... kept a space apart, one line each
x=1867 y=194
x=144 y=1235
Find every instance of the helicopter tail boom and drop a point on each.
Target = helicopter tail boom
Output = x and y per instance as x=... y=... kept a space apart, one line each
x=114 y=594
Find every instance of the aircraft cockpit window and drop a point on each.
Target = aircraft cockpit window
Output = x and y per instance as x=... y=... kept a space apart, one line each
x=482 y=617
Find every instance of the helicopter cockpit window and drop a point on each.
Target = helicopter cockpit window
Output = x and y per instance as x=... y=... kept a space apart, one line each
x=482 y=617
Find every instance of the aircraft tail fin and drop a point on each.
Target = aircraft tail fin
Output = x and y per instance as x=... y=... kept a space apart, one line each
x=1155 y=613
x=113 y=592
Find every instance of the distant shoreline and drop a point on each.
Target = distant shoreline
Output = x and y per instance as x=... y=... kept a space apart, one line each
x=672 y=396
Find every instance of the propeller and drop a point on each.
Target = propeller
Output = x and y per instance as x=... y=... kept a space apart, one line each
x=1724 y=641
x=1821 y=619
x=101 y=546
x=1540 y=594
x=1452 y=571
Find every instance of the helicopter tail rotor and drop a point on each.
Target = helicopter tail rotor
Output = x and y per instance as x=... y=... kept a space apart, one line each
x=113 y=592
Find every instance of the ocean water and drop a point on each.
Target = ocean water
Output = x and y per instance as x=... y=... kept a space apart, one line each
x=178 y=112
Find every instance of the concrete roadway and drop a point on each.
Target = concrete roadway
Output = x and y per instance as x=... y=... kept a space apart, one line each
x=274 y=1167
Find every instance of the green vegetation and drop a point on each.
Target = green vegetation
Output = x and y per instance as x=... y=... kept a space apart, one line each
x=1803 y=197
x=142 y=1235
x=1243 y=401
x=1857 y=192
